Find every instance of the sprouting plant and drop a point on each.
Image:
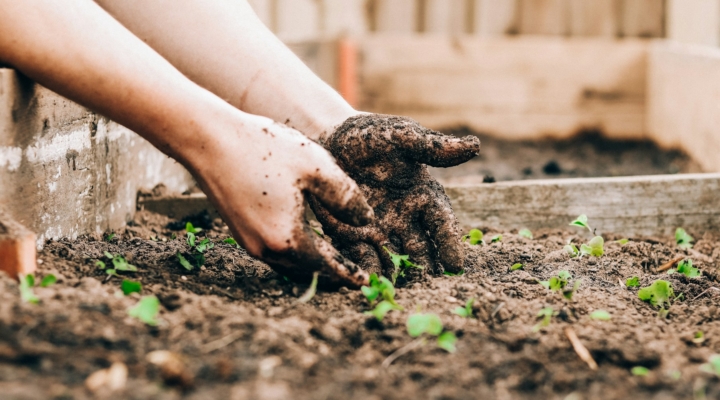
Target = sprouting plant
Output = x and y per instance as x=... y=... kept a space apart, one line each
x=475 y=237
x=572 y=250
x=683 y=239
x=581 y=221
x=496 y=238
x=197 y=249
x=448 y=273
x=128 y=287
x=184 y=262
x=640 y=371
x=146 y=310
x=686 y=268
x=658 y=294
x=380 y=288
x=593 y=248
x=381 y=309
x=600 y=315
x=189 y=228
x=26 y=292
x=467 y=311
x=401 y=263
x=560 y=282
x=119 y=264
x=622 y=242
x=712 y=366
x=231 y=242
x=310 y=293
x=632 y=282
x=109 y=237
x=431 y=324
x=546 y=314
x=516 y=267
x=48 y=280
x=699 y=337
x=525 y=233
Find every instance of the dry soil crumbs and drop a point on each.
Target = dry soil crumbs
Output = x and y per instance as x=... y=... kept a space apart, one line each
x=236 y=332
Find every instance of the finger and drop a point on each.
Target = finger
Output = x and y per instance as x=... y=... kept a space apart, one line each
x=440 y=222
x=340 y=195
x=417 y=245
x=433 y=148
x=309 y=253
x=365 y=256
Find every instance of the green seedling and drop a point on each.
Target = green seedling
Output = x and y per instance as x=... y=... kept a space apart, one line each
x=380 y=288
x=546 y=314
x=128 y=287
x=558 y=282
x=516 y=267
x=231 y=242
x=640 y=371
x=419 y=324
x=474 y=237
x=569 y=292
x=525 y=233
x=632 y=282
x=448 y=273
x=572 y=250
x=48 y=280
x=382 y=308
x=683 y=239
x=467 y=311
x=317 y=232
x=401 y=264
x=119 y=264
x=600 y=315
x=593 y=248
x=189 y=228
x=310 y=293
x=496 y=238
x=581 y=221
x=146 y=310
x=712 y=366
x=622 y=242
x=685 y=267
x=26 y=292
x=699 y=337
x=110 y=237
x=658 y=294
x=184 y=262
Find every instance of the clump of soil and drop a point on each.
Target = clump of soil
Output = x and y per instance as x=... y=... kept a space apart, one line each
x=235 y=329
x=588 y=154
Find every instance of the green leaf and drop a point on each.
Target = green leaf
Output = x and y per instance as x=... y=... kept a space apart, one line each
x=110 y=237
x=108 y=255
x=184 y=262
x=600 y=315
x=572 y=250
x=48 y=280
x=446 y=341
x=417 y=324
x=128 y=287
x=525 y=233
x=111 y=272
x=310 y=293
x=100 y=264
x=467 y=311
x=26 y=292
x=640 y=371
x=121 y=264
x=448 y=273
x=557 y=283
x=683 y=240
x=381 y=309
x=568 y=293
x=546 y=314
x=712 y=366
x=475 y=237
x=699 y=337
x=594 y=247
x=496 y=238
x=545 y=284
x=685 y=267
x=658 y=294
x=204 y=245
x=623 y=242
x=189 y=228
x=632 y=282
x=146 y=310
x=191 y=239
x=564 y=275
x=516 y=267
x=231 y=241
x=581 y=221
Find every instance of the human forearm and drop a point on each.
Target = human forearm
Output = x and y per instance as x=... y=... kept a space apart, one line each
x=224 y=47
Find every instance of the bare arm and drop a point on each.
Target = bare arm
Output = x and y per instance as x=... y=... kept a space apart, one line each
x=224 y=47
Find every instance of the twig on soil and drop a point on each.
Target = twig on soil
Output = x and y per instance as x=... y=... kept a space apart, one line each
x=220 y=343
x=402 y=351
x=706 y=290
x=580 y=349
x=670 y=264
x=497 y=309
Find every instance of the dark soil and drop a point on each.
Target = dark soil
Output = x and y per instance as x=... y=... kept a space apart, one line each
x=238 y=332
x=588 y=154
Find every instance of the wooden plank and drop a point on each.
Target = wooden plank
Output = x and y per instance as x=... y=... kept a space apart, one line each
x=643 y=18
x=321 y=57
x=523 y=87
x=445 y=16
x=544 y=17
x=594 y=17
x=495 y=17
x=17 y=247
x=683 y=98
x=694 y=21
x=396 y=16
x=343 y=18
x=264 y=11
x=297 y=20
x=642 y=205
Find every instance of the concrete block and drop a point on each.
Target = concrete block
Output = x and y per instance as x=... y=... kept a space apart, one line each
x=694 y=21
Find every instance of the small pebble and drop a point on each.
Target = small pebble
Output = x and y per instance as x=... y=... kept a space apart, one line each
x=39 y=261
x=451 y=299
x=183 y=277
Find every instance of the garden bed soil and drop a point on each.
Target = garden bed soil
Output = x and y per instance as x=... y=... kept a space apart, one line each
x=587 y=154
x=236 y=330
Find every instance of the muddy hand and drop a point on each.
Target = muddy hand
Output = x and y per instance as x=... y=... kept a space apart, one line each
x=388 y=157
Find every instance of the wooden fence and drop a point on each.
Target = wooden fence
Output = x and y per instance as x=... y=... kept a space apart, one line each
x=302 y=20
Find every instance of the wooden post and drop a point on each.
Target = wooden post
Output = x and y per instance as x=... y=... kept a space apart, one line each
x=445 y=16
x=347 y=71
x=495 y=17
x=297 y=20
x=17 y=247
x=396 y=16
x=343 y=18
x=694 y=21
x=544 y=17
x=594 y=17
x=642 y=18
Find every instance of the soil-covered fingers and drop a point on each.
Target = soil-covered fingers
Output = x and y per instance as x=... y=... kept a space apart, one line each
x=436 y=149
x=442 y=226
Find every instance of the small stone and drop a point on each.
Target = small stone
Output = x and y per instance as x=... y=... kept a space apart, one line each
x=111 y=379
x=451 y=299
x=183 y=277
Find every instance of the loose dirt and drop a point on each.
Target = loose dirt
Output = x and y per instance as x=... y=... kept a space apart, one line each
x=236 y=331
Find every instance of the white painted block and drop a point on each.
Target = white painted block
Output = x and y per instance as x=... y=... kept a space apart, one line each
x=694 y=21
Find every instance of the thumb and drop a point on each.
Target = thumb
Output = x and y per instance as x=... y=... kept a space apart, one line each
x=340 y=195
x=435 y=149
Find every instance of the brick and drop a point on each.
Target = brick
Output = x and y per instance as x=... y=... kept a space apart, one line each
x=17 y=247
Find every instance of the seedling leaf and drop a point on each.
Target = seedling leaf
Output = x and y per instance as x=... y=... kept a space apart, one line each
x=48 y=280
x=496 y=238
x=568 y=293
x=683 y=240
x=184 y=262
x=525 y=233
x=189 y=228
x=401 y=263
x=640 y=371
x=685 y=267
x=446 y=341
x=546 y=314
x=128 y=286
x=310 y=293
x=623 y=242
x=712 y=366
x=448 y=273
x=572 y=250
x=191 y=239
x=600 y=315
x=699 y=337
x=417 y=324
x=594 y=247
x=516 y=267
x=231 y=242
x=110 y=237
x=204 y=245
x=632 y=282
x=467 y=311
x=581 y=221
x=100 y=264
x=381 y=309
x=121 y=264
x=658 y=294
x=146 y=310
x=26 y=292
x=108 y=255
x=475 y=237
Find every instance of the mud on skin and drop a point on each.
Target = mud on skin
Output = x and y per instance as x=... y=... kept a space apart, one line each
x=388 y=157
